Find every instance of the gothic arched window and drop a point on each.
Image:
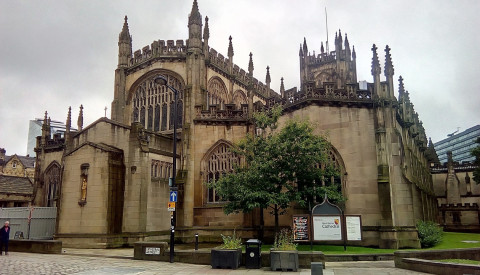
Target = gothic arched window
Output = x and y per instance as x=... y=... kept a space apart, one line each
x=157 y=118
x=142 y=116
x=171 y=116
x=217 y=93
x=150 y=117
x=147 y=98
x=179 y=114
x=239 y=98
x=52 y=183
x=217 y=162
x=335 y=163
x=164 y=117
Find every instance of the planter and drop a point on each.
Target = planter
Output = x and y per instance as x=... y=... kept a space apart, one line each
x=284 y=260
x=226 y=258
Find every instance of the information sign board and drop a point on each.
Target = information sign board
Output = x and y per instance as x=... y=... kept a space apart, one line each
x=354 y=228
x=327 y=228
x=301 y=228
x=171 y=206
x=152 y=250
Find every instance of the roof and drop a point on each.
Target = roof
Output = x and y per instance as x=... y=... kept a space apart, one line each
x=101 y=146
x=28 y=162
x=16 y=185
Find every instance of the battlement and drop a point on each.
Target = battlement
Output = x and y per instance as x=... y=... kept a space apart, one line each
x=321 y=59
x=221 y=63
x=457 y=167
x=459 y=207
x=214 y=114
x=159 y=48
x=327 y=93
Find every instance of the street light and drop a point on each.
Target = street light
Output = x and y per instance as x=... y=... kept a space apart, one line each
x=161 y=80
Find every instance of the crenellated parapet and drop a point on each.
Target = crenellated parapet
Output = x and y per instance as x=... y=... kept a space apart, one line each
x=215 y=115
x=159 y=49
x=221 y=64
x=457 y=167
x=327 y=94
x=459 y=207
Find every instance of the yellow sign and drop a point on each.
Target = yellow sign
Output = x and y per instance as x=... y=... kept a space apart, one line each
x=171 y=206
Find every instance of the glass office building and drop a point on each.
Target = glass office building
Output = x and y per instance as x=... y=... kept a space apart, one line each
x=460 y=144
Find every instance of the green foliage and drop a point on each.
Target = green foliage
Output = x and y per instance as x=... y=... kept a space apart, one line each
x=278 y=167
x=429 y=233
x=231 y=242
x=284 y=240
x=476 y=154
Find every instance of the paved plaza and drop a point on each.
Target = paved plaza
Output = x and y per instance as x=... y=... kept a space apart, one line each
x=120 y=262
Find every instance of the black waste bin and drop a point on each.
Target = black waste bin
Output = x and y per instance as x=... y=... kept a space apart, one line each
x=253 y=253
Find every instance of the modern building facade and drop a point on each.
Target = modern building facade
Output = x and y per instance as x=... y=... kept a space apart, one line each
x=460 y=145
x=109 y=180
x=35 y=130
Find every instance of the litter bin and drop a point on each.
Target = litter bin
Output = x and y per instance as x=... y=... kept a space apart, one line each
x=253 y=253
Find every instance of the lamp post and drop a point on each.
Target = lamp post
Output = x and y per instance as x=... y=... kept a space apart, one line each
x=161 y=80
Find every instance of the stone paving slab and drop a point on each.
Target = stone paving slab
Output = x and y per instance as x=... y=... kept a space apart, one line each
x=112 y=262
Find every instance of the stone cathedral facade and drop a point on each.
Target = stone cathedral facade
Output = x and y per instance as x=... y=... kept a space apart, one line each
x=109 y=179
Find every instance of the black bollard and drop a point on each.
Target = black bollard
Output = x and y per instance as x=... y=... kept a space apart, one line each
x=196 y=241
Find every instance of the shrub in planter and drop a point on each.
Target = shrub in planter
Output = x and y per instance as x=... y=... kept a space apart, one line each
x=284 y=254
x=229 y=255
x=429 y=233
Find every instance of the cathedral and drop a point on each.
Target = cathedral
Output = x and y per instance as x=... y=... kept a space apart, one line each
x=110 y=179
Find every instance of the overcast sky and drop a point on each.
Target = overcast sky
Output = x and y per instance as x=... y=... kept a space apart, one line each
x=60 y=53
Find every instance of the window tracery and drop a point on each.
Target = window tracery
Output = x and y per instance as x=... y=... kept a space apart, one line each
x=239 y=98
x=153 y=104
x=217 y=93
x=219 y=161
x=52 y=181
x=161 y=169
x=336 y=163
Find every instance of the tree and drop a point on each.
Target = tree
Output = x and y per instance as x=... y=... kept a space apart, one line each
x=279 y=167
x=476 y=154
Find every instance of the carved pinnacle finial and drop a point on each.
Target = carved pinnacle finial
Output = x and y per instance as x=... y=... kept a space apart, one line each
x=354 y=54
x=68 y=124
x=401 y=87
x=80 y=119
x=305 y=48
x=282 y=86
x=322 y=49
x=230 y=48
x=388 y=71
x=195 y=17
x=250 y=65
x=375 y=63
x=206 y=30
x=300 y=52
x=125 y=33
x=267 y=78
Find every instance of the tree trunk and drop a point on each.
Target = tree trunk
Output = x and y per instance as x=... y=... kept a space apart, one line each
x=275 y=212
x=261 y=231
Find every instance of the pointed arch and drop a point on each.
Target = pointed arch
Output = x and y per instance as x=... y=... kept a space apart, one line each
x=217 y=93
x=52 y=179
x=335 y=159
x=217 y=161
x=239 y=98
x=145 y=94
